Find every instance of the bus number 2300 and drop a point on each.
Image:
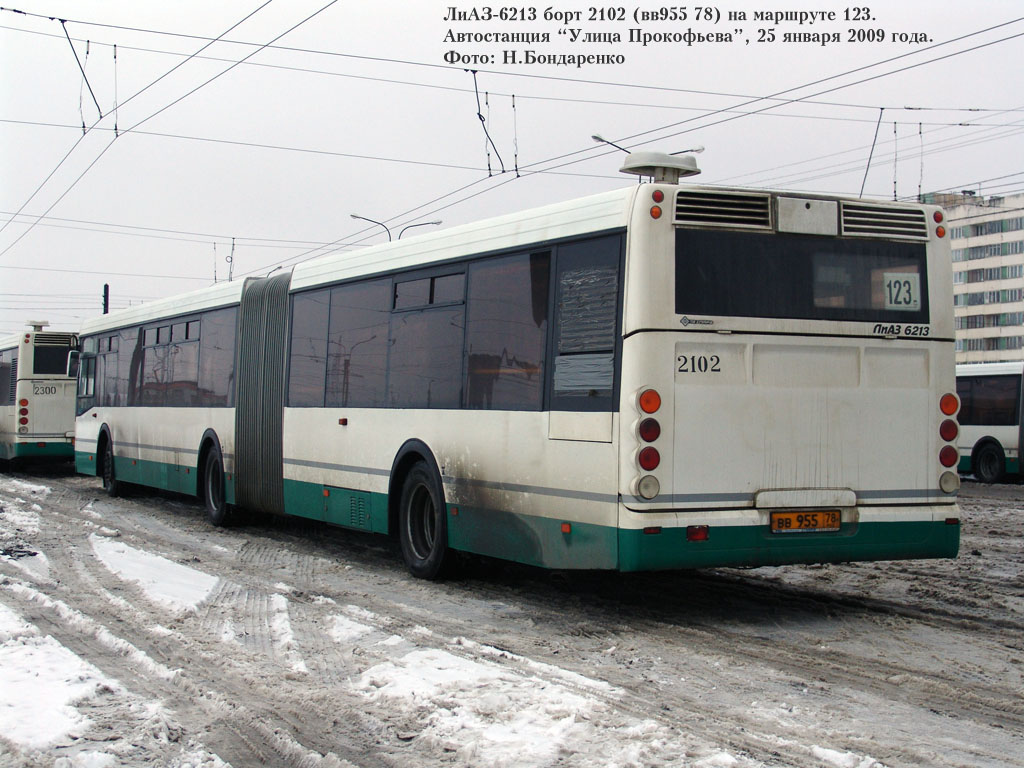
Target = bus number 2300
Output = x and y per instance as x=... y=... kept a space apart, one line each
x=699 y=363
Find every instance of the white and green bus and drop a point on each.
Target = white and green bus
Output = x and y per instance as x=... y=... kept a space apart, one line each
x=990 y=407
x=657 y=377
x=37 y=396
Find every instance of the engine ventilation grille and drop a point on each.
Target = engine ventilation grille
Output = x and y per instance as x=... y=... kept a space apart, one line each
x=55 y=339
x=724 y=209
x=884 y=221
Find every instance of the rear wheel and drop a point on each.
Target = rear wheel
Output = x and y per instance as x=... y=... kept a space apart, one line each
x=218 y=511
x=111 y=484
x=423 y=524
x=989 y=463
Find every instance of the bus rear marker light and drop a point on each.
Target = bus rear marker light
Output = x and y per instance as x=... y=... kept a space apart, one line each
x=948 y=430
x=650 y=430
x=650 y=401
x=23 y=401
x=948 y=456
x=566 y=527
x=940 y=231
x=652 y=529
x=657 y=196
x=937 y=216
x=949 y=404
x=649 y=458
x=343 y=422
x=696 y=533
x=952 y=521
x=656 y=212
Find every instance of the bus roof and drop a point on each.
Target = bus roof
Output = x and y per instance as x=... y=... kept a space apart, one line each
x=990 y=369
x=595 y=213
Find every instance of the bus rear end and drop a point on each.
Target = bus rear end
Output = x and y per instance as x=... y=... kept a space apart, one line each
x=39 y=410
x=787 y=382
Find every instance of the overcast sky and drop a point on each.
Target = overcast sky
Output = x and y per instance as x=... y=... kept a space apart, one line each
x=260 y=127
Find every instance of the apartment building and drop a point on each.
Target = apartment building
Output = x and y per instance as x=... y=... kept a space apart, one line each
x=987 y=239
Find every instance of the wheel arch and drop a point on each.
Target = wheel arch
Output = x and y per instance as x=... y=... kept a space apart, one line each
x=208 y=441
x=982 y=444
x=412 y=451
x=105 y=436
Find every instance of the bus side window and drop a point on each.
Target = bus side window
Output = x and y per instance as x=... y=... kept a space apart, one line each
x=586 y=324
x=8 y=377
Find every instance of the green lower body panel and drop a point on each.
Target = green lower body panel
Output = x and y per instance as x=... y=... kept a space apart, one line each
x=154 y=474
x=755 y=546
x=37 y=450
x=554 y=543
x=346 y=507
x=532 y=540
x=1012 y=466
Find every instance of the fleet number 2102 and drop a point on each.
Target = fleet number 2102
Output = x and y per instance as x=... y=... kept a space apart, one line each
x=699 y=364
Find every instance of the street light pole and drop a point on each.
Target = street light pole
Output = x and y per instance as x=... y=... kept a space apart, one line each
x=378 y=223
x=421 y=224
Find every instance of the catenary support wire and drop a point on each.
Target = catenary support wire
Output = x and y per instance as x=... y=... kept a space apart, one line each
x=80 y=67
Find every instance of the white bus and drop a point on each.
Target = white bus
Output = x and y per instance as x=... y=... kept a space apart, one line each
x=990 y=432
x=658 y=377
x=37 y=397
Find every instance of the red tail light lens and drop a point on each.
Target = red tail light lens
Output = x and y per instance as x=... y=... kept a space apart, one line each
x=948 y=456
x=949 y=404
x=649 y=458
x=650 y=430
x=696 y=533
x=948 y=430
x=23 y=420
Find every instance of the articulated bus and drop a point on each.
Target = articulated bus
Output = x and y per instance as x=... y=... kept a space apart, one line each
x=37 y=396
x=657 y=377
x=990 y=407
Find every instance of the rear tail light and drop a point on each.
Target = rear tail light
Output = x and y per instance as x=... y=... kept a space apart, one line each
x=949 y=404
x=948 y=430
x=649 y=401
x=650 y=430
x=649 y=458
x=948 y=456
x=696 y=533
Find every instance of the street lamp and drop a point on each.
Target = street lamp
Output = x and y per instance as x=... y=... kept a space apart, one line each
x=421 y=224
x=379 y=224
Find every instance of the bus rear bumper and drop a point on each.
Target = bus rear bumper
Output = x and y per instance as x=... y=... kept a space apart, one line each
x=877 y=533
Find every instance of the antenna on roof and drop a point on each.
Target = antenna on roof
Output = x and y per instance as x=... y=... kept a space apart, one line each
x=663 y=168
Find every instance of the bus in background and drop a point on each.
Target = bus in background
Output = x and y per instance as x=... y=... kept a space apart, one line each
x=656 y=377
x=37 y=396
x=990 y=424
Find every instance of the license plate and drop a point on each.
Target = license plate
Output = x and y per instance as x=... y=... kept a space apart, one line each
x=805 y=522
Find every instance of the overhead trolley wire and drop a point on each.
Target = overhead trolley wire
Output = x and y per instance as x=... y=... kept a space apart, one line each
x=168 y=106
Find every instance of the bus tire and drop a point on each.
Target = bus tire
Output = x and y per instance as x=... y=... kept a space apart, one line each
x=218 y=511
x=111 y=484
x=423 y=523
x=989 y=463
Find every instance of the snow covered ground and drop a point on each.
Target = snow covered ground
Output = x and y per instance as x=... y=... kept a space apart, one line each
x=132 y=634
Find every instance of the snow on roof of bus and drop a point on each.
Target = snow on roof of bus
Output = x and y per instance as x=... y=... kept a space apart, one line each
x=607 y=210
